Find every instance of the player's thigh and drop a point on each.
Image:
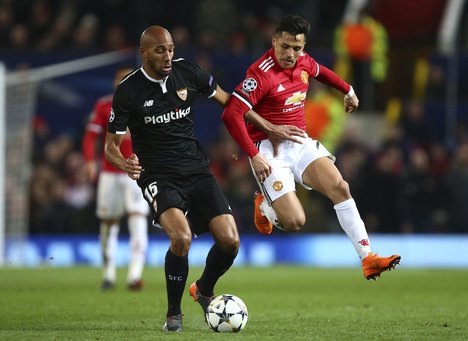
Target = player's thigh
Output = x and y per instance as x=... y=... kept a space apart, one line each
x=206 y=202
x=133 y=198
x=322 y=175
x=109 y=199
x=306 y=155
x=175 y=224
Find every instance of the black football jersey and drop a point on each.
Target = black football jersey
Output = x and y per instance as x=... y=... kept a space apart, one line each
x=160 y=118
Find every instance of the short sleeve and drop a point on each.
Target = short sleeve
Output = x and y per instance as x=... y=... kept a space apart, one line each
x=120 y=112
x=205 y=82
x=253 y=88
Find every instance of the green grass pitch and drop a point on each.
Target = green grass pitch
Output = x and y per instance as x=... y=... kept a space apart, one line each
x=284 y=303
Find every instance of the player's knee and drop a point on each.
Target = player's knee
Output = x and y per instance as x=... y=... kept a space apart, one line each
x=231 y=244
x=229 y=241
x=138 y=246
x=340 y=191
x=343 y=189
x=180 y=243
x=293 y=223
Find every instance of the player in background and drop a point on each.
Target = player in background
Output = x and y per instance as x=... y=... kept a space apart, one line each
x=275 y=87
x=117 y=196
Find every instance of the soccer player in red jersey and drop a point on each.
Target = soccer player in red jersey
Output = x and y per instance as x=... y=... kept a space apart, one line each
x=275 y=87
x=117 y=195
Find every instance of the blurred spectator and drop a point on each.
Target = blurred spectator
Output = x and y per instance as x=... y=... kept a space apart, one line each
x=56 y=215
x=183 y=42
x=115 y=38
x=380 y=207
x=41 y=134
x=361 y=49
x=457 y=186
x=416 y=129
x=223 y=18
x=79 y=192
x=55 y=152
x=41 y=19
x=419 y=194
x=58 y=36
x=6 y=22
x=19 y=37
x=85 y=35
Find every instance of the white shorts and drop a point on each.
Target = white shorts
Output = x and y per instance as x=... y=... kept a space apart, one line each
x=117 y=195
x=288 y=167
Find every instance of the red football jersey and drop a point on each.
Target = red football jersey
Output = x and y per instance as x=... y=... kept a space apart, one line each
x=276 y=94
x=97 y=126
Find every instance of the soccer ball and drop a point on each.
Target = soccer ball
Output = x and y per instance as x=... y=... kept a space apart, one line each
x=227 y=314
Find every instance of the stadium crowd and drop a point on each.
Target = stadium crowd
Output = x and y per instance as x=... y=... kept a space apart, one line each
x=412 y=180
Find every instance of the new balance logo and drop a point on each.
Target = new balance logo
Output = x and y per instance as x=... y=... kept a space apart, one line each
x=280 y=88
x=148 y=103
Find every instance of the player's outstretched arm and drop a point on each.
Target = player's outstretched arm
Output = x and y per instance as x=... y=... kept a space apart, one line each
x=113 y=154
x=330 y=78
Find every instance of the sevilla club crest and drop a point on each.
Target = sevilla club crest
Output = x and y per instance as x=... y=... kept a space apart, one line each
x=182 y=93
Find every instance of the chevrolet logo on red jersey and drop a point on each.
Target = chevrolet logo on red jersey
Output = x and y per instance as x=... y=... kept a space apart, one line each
x=296 y=98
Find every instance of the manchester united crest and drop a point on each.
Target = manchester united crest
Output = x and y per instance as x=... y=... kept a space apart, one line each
x=305 y=77
x=182 y=93
x=277 y=186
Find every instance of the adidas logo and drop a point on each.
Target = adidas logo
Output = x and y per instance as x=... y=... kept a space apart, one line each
x=280 y=88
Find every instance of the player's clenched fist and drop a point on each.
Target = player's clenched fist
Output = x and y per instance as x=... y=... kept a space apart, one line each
x=132 y=167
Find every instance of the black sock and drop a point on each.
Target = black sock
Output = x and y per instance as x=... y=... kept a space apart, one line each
x=217 y=263
x=176 y=269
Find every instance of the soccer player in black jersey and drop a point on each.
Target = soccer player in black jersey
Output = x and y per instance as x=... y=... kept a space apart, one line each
x=155 y=103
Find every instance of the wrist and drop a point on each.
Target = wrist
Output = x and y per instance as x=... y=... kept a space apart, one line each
x=350 y=92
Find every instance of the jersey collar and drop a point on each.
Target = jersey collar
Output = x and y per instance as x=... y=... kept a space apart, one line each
x=162 y=82
x=289 y=72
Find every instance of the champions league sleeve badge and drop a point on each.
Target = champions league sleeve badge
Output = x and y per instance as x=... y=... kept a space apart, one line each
x=249 y=84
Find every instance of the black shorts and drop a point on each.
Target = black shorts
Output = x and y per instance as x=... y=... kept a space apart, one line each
x=198 y=195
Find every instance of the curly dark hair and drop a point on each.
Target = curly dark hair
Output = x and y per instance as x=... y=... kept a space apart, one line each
x=294 y=25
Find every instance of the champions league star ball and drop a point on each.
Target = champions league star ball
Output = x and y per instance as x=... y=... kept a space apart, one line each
x=227 y=314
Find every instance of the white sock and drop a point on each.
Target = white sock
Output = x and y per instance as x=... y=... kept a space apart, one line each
x=109 y=242
x=352 y=224
x=138 y=228
x=270 y=213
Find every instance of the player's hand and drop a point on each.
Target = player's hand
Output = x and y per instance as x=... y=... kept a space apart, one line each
x=261 y=167
x=91 y=170
x=280 y=133
x=351 y=103
x=132 y=167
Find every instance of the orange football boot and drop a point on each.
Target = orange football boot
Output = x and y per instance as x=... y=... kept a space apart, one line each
x=373 y=265
x=261 y=221
x=204 y=301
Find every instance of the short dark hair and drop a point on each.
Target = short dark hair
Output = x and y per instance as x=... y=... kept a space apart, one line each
x=294 y=25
